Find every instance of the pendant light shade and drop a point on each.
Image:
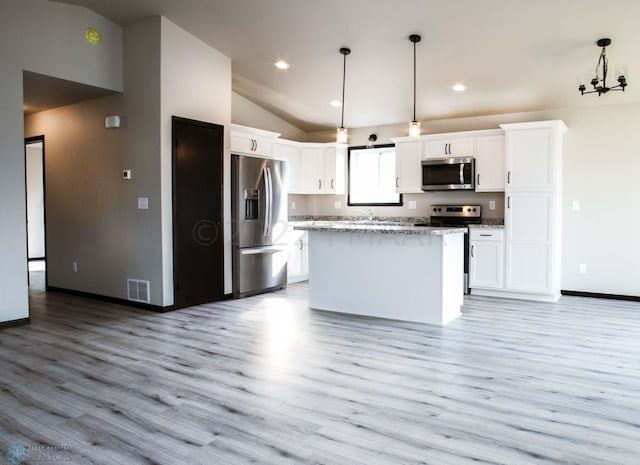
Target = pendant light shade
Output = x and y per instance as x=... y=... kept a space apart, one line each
x=414 y=125
x=342 y=135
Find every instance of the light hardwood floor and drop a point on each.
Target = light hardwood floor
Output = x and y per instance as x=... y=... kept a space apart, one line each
x=265 y=380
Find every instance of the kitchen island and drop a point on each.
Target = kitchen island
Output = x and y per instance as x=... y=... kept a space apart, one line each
x=401 y=272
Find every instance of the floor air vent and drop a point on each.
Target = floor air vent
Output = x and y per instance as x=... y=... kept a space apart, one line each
x=138 y=290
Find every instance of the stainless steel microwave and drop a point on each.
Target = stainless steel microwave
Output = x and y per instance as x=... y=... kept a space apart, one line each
x=444 y=174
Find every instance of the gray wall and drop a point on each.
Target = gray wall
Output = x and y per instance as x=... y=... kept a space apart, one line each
x=92 y=214
x=60 y=50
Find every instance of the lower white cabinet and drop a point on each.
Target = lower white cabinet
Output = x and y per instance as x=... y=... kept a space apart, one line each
x=298 y=255
x=486 y=258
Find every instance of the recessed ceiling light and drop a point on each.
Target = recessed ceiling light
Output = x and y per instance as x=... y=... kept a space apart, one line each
x=335 y=103
x=459 y=87
x=282 y=65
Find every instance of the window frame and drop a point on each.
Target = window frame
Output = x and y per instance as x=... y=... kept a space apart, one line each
x=368 y=204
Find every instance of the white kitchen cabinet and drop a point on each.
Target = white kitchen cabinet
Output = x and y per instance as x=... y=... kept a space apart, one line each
x=531 y=159
x=533 y=209
x=439 y=147
x=490 y=163
x=251 y=141
x=322 y=169
x=298 y=255
x=408 y=165
x=486 y=258
x=311 y=170
x=290 y=152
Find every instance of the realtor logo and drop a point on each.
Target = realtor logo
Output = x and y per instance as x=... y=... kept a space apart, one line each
x=16 y=454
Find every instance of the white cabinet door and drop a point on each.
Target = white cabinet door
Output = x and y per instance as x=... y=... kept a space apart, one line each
x=408 y=167
x=298 y=256
x=311 y=170
x=486 y=258
x=457 y=147
x=528 y=220
x=291 y=154
x=329 y=171
x=490 y=163
x=530 y=162
x=251 y=145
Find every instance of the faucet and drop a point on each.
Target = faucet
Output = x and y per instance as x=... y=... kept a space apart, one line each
x=368 y=212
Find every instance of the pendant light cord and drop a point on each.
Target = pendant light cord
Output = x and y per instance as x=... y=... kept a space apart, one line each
x=344 y=77
x=414 y=81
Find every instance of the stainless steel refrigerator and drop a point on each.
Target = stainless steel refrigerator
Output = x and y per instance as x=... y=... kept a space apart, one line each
x=259 y=215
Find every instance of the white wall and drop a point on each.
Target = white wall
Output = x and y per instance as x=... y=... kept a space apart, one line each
x=35 y=200
x=601 y=153
x=196 y=84
x=57 y=49
x=247 y=113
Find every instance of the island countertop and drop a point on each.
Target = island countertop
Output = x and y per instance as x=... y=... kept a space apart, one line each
x=377 y=228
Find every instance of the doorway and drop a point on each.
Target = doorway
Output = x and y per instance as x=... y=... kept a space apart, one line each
x=35 y=194
x=198 y=248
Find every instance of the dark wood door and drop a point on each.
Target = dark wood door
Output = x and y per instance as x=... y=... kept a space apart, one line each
x=198 y=252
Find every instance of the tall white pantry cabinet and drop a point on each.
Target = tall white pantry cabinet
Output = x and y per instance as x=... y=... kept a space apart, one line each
x=533 y=207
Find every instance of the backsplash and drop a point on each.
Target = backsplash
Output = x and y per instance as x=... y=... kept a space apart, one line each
x=326 y=205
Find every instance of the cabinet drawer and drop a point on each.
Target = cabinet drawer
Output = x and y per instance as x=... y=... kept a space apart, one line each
x=486 y=234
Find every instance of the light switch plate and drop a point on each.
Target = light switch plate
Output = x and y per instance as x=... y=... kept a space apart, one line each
x=293 y=205
x=413 y=205
x=143 y=203
x=337 y=205
x=576 y=205
x=492 y=205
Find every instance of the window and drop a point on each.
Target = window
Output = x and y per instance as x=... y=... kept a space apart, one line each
x=372 y=176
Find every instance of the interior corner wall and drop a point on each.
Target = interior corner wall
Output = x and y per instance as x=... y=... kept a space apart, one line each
x=247 y=113
x=195 y=84
x=60 y=50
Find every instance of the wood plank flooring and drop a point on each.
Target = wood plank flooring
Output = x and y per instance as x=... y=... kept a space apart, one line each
x=265 y=380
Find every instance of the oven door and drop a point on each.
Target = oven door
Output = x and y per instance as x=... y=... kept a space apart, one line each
x=443 y=174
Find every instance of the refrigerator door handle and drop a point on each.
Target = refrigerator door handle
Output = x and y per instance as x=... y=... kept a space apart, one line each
x=267 y=201
x=261 y=250
x=270 y=196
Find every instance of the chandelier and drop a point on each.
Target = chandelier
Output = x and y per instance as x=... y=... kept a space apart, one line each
x=599 y=80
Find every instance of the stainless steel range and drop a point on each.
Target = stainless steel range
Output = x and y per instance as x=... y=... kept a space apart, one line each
x=459 y=216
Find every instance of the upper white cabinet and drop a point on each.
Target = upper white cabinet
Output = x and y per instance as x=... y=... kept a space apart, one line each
x=250 y=141
x=290 y=152
x=531 y=162
x=322 y=168
x=490 y=162
x=533 y=209
x=408 y=165
x=440 y=146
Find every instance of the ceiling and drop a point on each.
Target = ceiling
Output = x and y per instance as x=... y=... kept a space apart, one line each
x=513 y=55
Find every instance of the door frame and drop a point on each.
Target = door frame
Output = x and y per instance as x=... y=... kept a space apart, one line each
x=31 y=140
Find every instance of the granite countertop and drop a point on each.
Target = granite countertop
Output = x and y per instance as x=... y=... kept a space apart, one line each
x=377 y=228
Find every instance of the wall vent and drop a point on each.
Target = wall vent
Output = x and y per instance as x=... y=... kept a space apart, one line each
x=138 y=290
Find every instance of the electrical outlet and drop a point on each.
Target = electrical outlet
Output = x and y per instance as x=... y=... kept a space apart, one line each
x=74 y=267
x=492 y=205
x=576 y=205
x=582 y=268
x=413 y=205
x=293 y=205
x=143 y=203
x=337 y=205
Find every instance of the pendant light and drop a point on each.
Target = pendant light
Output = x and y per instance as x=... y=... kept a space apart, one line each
x=342 y=131
x=414 y=126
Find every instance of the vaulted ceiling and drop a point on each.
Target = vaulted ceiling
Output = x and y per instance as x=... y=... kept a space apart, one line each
x=513 y=55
